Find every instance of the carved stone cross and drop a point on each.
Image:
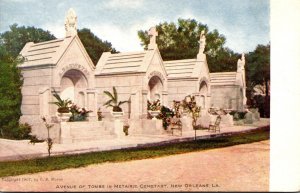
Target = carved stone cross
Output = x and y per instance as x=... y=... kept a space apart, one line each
x=152 y=33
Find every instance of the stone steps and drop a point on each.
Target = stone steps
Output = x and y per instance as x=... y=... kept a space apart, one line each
x=89 y=132
x=86 y=131
x=93 y=138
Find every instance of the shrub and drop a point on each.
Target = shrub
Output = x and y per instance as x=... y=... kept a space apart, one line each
x=238 y=115
x=189 y=104
x=78 y=114
x=154 y=106
x=49 y=140
x=16 y=131
x=165 y=114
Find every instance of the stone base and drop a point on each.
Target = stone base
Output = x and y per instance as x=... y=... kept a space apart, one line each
x=39 y=129
x=118 y=128
x=226 y=120
x=204 y=120
x=248 y=119
x=72 y=132
x=187 y=123
x=146 y=126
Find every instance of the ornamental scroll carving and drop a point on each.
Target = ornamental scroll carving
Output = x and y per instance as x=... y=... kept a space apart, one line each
x=74 y=66
x=156 y=73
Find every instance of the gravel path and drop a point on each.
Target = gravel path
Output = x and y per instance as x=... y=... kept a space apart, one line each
x=236 y=168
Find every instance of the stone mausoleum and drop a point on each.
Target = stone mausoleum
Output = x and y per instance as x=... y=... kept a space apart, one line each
x=64 y=65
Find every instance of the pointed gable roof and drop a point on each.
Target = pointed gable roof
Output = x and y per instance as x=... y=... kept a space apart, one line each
x=49 y=52
x=223 y=78
x=180 y=68
x=124 y=63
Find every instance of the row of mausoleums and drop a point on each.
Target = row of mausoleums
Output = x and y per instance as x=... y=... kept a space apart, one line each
x=64 y=65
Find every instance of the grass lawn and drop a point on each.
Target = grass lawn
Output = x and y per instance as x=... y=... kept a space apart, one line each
x=12 y=168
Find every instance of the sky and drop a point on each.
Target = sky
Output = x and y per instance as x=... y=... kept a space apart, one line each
x=244 y=23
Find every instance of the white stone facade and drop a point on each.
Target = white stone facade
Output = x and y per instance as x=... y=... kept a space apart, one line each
x=65 y=66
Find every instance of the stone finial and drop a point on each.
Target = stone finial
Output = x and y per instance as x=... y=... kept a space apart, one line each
x=152 y=33
x=71 y=23
x=241 y=63
x=243 y=57
x=202 y=42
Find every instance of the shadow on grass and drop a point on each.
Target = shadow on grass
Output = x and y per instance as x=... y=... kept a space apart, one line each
x=12 y=168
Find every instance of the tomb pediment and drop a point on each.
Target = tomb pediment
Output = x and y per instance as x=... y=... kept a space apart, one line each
x=44 y=53
x=50 y=53
x=180 y=68
x=128 y=62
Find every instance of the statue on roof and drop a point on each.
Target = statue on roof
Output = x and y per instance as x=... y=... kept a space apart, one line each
x=241 y=62
x=71 y=23
x=152 y=33
x=202 y=42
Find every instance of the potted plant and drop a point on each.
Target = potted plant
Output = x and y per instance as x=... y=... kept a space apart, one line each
x=126 y=128
x=99 y=114
x=63 y=106
x=78 y=114
x=154 y=108
x=114 y=103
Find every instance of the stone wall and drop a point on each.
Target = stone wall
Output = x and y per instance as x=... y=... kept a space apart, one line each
x=178 y=89
x=125 y=85
x=226 y=97
x=72 y=132
x=35 y=99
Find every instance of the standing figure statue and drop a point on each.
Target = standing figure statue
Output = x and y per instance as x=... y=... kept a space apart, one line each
x=202 y=41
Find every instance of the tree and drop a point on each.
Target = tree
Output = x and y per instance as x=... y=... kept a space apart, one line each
x=180 y=41
x=94 y=45
x=15 y=39
x=258 y=73
x=11 y=43
x=10 y=99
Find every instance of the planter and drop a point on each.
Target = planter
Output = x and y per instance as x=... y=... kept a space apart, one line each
x=64 y=117
x=117 y=115
x=63 y=110
x=154 y=114
x=125 y=129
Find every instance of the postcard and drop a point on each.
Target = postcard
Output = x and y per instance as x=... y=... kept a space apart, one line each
x=139 y=95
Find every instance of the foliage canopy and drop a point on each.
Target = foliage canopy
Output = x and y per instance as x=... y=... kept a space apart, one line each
x=180 y=41
x=94 y=45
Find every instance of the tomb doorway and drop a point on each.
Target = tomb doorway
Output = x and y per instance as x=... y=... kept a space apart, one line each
x=203 y=94
x=155 y=87
x=73 y=87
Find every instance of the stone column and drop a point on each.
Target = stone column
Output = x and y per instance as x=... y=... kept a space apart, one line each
x=134 y=105
x=92 y=104
x=53 y=107
x=65 y=133
x=44 y=99
x=118 y=128
x=165 y=98
x=144 y=104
